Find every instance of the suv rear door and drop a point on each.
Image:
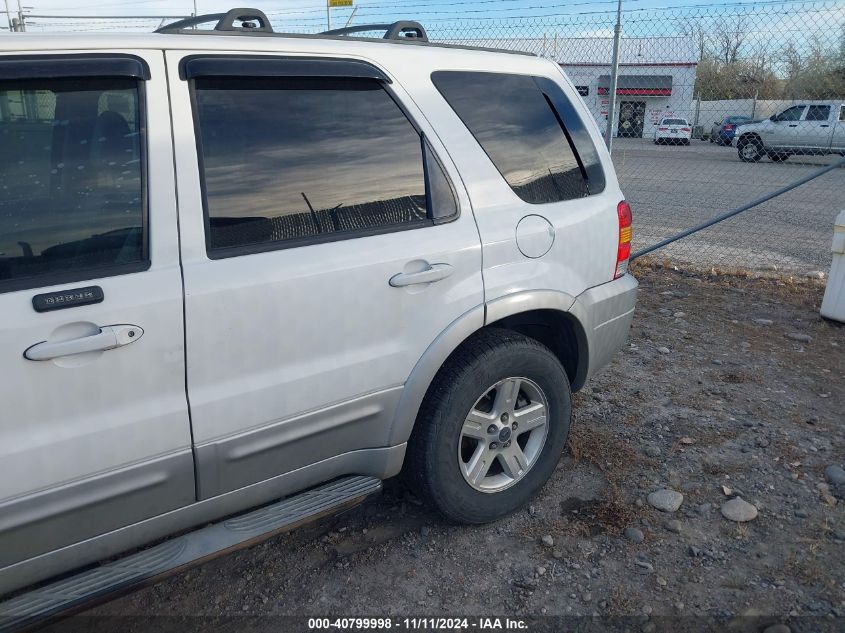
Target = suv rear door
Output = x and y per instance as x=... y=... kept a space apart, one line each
x=326 y=242
x=837 y=142
x=94 y=433
x=816 y=129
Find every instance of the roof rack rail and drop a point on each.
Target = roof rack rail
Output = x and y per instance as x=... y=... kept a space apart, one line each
x=402 y=30
x=252 y=21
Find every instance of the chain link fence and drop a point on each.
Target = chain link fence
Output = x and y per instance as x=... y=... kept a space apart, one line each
x=689 y=80
x=715 y=105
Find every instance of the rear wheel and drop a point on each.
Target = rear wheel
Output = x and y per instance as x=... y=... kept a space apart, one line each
x=749 y=150
x=492 y=427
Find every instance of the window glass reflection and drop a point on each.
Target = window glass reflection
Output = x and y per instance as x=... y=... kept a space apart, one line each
x=290 y=159
x=517 y=128
x=70 y=176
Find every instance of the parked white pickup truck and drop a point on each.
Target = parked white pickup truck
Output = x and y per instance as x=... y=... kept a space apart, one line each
x=816 y=128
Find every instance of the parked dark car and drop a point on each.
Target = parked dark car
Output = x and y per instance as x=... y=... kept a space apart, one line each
x=723 y=133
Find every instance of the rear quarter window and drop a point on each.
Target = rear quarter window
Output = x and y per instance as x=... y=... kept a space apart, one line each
x=516 y=122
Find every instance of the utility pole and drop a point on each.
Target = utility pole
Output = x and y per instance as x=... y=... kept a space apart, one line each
x=8 y=16
x=328 y=16
x=614 y=77
x=21 y=23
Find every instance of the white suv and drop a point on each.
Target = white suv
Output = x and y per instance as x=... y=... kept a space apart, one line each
x=236 y=265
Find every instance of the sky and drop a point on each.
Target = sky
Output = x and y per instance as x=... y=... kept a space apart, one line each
x=305 y=14
x=447 y=19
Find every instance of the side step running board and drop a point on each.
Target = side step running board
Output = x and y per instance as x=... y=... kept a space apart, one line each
x=149 y=565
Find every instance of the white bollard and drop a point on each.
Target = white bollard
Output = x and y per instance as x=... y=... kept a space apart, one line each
x=833 y=304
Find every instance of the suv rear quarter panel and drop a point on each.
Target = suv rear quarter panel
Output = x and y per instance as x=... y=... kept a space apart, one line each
x=583 y=253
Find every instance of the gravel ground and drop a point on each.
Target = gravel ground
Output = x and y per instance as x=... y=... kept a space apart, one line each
x=672 y=188
x=712 y=399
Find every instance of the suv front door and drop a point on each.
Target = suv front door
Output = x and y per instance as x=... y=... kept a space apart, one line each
x=326 y=242
x=785 y=128
x=94 y=433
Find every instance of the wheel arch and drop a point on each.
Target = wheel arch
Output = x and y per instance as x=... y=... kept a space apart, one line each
x=748 y=136
x=543 y=315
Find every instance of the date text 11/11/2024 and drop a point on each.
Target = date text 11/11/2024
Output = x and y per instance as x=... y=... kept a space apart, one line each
x=417 y=624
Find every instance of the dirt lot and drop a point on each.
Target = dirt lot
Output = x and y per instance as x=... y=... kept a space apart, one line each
x=705 y=401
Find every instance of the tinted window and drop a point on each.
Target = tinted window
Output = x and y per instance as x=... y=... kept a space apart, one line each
x=674 y=122
x=307 y=159
x=515 y=124
x=790 y=114
x=818 y=113
x=71 y=195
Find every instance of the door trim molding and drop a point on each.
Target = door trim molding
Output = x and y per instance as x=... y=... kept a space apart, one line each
x=229 y=463
x=378 y=462
x=43 y=521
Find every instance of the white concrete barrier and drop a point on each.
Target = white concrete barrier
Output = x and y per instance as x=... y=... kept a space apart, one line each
x=833 y=304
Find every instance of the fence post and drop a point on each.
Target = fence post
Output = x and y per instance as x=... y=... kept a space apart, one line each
x=21 y=22
x=614 y=76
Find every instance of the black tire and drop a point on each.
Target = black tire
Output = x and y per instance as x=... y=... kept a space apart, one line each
x=431 y=465
x=712 y=140
x=749 y=150
x=778 y=157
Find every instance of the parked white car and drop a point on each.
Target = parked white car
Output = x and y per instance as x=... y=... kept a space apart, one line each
x=236 y=265
x=675 y=130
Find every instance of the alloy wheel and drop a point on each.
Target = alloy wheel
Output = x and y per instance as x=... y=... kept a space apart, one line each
x=503 y=434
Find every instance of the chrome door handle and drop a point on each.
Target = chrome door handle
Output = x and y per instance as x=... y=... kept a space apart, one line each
x=435 y=272
x=109 y=337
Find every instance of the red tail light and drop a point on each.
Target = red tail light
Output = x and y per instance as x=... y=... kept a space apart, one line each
x=685 y=129
x=729 y=127
x=623 y=210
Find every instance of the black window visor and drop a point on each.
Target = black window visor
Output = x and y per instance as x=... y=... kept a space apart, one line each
x=259 y=66
x=58 y=66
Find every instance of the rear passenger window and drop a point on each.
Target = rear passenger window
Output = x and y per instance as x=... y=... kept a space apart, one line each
x=519 y=129
x=818 y=113
x=71 y=179
x=290 y=161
